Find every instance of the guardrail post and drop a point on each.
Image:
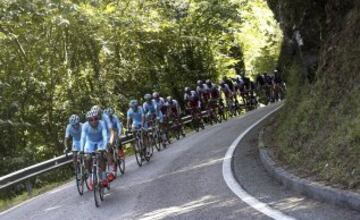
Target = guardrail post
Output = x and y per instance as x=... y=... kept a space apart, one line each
x=28 y=187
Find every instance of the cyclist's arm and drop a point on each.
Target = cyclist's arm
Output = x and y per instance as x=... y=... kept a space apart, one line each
x=83 y=138
x=67 y=138
x=118 y=125
x=178 y=108
x=199 y=103
x=128 y=123
x=142 y=117
x=104 y=136
x=107 y=123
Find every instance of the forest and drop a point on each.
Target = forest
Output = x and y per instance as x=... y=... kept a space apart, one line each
x=59 y=57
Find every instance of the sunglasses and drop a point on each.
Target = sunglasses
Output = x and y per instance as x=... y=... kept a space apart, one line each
x=93 y=119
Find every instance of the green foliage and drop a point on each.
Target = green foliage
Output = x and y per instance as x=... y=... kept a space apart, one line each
x=260 y=37
x=62 y=57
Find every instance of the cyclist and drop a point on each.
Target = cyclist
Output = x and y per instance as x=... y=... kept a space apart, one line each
x=230 y=84
x=214 y=90
x=173 y=106
x=204 y=93
x=192 y=99
x=214 y=94
x=152 y=112
x=135 y=116
x=117 y=126
x=174 y=112
x=161 y=107
x=110 y=131
x=159 y=102
x=73 y=134
x=187 y=96
x=260 y=81
x=269 y=79
x=193 y=104
x=94 y=138
x=232 y=98
x=224 y=87
x=240 y=87
x=279 y=85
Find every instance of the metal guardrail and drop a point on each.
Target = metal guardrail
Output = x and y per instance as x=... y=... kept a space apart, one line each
x=46 y=166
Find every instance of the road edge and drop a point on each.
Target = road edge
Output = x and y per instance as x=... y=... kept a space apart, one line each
x=303 y=186
x=234 y=185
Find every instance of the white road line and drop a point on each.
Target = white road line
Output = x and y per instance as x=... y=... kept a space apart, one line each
x=238 y=190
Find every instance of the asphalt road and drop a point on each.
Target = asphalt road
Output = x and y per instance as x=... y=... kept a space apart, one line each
x=185 y=181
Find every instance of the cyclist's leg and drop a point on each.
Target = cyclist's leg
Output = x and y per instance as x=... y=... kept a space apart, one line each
x=102 y=165
x=75 y=158
x=111 y=163
x=75 y=149
x=89 y=148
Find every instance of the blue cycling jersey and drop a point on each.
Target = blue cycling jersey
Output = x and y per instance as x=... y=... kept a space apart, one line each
x=135 y=116
x=75 y=133
x=150 y=107
x=94 y=135
x=116 y=124
x=159 y=103
x=105 y=118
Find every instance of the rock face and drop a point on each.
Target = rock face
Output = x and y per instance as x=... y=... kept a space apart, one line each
x=308 y=27
x=320 y=59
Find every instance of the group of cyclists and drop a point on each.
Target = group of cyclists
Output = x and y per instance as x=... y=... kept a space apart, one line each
x=97 y=150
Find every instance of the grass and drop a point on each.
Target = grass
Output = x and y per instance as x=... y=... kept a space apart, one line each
x=318 y=131
x=10 y=202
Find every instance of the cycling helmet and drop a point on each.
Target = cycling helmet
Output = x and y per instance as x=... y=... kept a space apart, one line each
x=88 y=115
x=109 y=111
x=199 y=82
x=222 y=83
x=92 y=114
x=74 y=119
x=187 y=89
x=133 y=103
x=96 y=108
x=156 y=95
x=147 y=97
x=169 y=99
x=208 y=82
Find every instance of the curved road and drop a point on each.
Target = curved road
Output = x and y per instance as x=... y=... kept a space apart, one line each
x=185 y=181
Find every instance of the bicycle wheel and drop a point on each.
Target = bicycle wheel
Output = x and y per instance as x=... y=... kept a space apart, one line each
x=149 y=149
x=86 y=175
x=137 y=146
x=102 y=190
x=195 y=124
x=97 y=186
x=114 y=166
x=121 y=164
x=157 y=139
x=177 y=132
x=88 y=181
x=202 y=125
x=79 y=178
x=163 y=138
x=147 y=153
x=225 y=114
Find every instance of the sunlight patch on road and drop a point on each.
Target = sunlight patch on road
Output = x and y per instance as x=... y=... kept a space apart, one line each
x=188 y=169
x=178 y=210
x=52 y=208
